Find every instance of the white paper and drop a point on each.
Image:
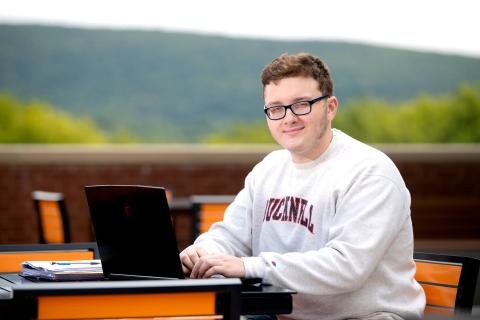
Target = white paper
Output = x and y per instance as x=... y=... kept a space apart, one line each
x=75 y=270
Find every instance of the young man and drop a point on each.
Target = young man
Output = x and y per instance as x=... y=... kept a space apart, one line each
x=328 y=217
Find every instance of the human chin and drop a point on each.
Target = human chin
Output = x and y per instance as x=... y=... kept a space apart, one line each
x=291 y=143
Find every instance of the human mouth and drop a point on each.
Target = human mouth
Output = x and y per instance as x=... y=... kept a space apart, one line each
x=292 y=131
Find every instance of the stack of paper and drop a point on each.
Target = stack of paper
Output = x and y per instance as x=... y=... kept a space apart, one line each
x=63 y=270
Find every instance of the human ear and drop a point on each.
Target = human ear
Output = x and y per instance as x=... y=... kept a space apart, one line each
x=332 y=106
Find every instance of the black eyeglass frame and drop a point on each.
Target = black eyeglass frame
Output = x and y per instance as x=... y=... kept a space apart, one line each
x=311 y=102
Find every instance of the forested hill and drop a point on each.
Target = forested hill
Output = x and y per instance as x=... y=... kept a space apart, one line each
x=177 y=87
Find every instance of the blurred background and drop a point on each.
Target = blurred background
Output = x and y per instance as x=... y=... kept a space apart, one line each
x=188 y=72
x=169 y=94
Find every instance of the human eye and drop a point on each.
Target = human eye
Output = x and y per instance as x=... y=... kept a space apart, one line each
x=276 y=110
x=301 y=105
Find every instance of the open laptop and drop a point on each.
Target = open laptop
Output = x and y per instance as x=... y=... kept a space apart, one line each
x=135 y=235
x=134 y=232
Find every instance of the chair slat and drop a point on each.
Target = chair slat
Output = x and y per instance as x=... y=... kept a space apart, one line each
x=429 y=310
x=205 y=226
x=212 y=216
x=438 y=273
x=440 y=296
x=209 y=214
x=52 y=222
x=215 y=207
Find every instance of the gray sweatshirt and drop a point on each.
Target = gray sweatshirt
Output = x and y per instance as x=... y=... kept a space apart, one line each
x=337 y=230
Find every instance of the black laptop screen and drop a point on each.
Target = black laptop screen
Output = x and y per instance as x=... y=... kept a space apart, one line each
x=134 y=231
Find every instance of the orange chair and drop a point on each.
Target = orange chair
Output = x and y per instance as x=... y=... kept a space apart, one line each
x=448 y=281
x=52 y=217
x=206 y=210
x=11 y=256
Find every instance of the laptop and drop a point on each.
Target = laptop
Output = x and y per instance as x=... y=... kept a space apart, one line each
x=135 y=236
x=134 y=232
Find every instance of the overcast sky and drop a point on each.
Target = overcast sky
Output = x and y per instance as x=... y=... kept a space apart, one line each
x=427 y=25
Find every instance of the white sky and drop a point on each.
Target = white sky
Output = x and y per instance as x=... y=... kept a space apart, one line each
x=427 y=25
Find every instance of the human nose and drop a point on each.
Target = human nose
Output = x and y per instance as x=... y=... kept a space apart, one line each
x=290 y=116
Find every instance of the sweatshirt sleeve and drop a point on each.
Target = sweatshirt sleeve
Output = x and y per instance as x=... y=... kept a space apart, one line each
x=368 y=217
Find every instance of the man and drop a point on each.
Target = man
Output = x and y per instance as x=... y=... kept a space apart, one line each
x=328 y=217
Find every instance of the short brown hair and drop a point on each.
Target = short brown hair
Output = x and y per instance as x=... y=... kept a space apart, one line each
x=299 y=65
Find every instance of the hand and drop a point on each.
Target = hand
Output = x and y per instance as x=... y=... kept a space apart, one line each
x=218 y=263
x=190 y=257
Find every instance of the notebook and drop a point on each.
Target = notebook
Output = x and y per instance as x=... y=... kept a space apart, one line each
x=134 y=232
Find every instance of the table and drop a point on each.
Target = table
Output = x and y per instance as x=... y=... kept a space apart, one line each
x=21 y=298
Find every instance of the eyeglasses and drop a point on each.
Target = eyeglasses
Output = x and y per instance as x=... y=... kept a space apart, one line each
x=298 y=108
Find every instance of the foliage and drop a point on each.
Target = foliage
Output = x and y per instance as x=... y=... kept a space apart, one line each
x=445 y=119
x=242 y=132
x=37 y=122
x=173 y=87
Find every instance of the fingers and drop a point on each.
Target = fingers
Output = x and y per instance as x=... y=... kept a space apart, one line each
x=207 y=268
x=201 y=252
x=198 y=263
x=190 y=257
x=186 y=270
x=218 y=263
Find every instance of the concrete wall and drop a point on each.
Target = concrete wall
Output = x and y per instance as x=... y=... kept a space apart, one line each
x=444 y=181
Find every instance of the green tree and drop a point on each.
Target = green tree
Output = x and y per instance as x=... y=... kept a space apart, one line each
x=242 y=132
x=37 y=122
x=453 y=118
x=446 y=119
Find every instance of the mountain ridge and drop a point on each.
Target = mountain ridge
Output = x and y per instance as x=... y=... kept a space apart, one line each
x=177 y=87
